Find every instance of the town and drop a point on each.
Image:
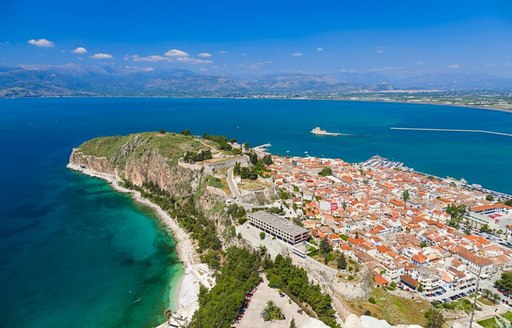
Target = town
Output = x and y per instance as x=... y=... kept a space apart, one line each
x=437 y=238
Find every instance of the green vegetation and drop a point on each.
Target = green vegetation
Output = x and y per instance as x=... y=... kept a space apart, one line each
x=293 y=324
x=496 y=322
x=294 y=281
x=105 y=146
x=489 y=198
x=392 y=308
x=486 y=301
x=342 y=262
x=325 y=171
x=508 y=202
x=406 y=195
x=272 y=312
x=505 y=282
x=237 y=212
x=434 y=319
x=219 y=307
x=456 y=213
x=221 y=141
x=120 y=148
x=218 y=183
x=203 y=155
x=462 y=304
x=262 y=235
x=186 y=132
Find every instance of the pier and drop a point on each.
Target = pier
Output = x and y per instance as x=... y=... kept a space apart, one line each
x=454 y=130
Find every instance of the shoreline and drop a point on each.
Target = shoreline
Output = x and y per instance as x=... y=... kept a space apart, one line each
x=185 y=297
x=482 y=107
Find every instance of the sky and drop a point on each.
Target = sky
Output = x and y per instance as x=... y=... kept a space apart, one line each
x=400 y=38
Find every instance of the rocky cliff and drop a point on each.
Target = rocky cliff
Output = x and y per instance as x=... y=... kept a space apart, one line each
x=152 y=159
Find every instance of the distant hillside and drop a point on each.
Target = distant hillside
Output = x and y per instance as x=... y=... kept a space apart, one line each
x=75 y=80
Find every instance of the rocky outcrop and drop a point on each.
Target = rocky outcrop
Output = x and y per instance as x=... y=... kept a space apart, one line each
x=149 y=167
x=142 y=168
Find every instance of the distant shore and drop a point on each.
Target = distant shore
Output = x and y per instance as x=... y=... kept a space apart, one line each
x=186 y=299
x=274 y=98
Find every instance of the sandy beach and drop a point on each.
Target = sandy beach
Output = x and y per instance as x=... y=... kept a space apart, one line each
x=187 y=297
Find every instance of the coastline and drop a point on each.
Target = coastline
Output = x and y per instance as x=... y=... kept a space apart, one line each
x=185 y=298
x=276 y=98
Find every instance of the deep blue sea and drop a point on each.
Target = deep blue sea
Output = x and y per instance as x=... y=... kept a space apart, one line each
x=73 y=252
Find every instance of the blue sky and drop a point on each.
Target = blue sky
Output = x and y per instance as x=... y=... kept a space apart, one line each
x=402 y=38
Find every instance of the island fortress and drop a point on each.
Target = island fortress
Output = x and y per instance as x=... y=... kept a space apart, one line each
x=320 y=132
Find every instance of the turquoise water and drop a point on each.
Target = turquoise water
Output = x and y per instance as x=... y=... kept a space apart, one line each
x=73 y=250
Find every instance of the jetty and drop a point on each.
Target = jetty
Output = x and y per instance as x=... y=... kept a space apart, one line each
x=455 y=130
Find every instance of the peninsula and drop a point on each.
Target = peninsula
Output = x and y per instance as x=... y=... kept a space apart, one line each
x=345 y=244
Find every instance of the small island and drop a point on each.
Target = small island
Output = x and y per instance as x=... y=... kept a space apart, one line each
x=320 y=132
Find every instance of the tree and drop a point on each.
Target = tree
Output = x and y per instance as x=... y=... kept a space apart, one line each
x=484 y=228
x=162 y=131
x=420 y=288
x=186 y=132
x=293 y=324
x=489 y=198
x=253 y=158
x=406 y=196
x=325 y=247
x=262 y=235
x=272 y=312
x=267 y=160
x=236 y=169
x=434 y=318
x=505 y=282
x=325 y=171
x=342 y=262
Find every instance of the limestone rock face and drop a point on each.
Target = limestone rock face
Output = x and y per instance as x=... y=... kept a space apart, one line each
x=150 y=167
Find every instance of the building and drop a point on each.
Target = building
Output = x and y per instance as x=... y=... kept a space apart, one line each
x=280 y=228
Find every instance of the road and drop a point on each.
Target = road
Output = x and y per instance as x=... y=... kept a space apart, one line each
x=233 y=185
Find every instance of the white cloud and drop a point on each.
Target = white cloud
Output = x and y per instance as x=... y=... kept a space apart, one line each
x=191 y=60
x=223 y=52
x=79 y=50
x=489 y=65
x=453 y=66
x=380 y=51
x=319 y=49
x=41 y=43
x=297 y=54
x=102 y=56
x=508 y=64
x=176 y=53
x=171 y=56
x=420 y=62
x=205 y=55
x=150 y=58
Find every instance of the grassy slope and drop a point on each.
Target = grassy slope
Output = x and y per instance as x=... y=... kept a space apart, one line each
x=170 y=145
x=393 y=309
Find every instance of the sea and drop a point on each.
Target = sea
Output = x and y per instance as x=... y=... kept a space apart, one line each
x=76 y=253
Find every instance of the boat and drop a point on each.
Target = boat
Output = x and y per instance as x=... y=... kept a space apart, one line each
x=320 y=132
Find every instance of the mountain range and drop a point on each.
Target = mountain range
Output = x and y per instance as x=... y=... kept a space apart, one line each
x=76 y=80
